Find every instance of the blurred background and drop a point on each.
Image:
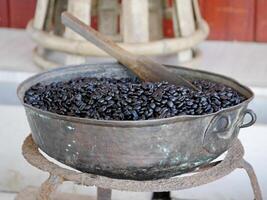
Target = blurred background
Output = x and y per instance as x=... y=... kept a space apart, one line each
x=242 y=20
x=223 y=36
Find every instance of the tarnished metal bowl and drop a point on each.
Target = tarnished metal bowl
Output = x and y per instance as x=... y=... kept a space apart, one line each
x=140 y=150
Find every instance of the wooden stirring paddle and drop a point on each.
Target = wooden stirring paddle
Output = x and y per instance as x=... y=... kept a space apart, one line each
x=145 y=68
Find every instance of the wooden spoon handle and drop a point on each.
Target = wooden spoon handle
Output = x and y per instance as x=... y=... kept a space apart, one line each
x=145 y=68
x=95 y=37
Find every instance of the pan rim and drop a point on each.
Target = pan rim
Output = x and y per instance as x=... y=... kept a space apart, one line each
x=128 y=123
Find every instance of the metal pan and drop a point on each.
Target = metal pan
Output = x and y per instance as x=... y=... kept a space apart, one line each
x=139 y=150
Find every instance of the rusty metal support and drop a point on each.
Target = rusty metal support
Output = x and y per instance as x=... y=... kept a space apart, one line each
x=253 y=179
x=233 y=160
x=103 y=194
x=49 y=187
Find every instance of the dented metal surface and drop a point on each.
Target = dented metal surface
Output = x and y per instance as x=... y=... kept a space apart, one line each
x=139 y=150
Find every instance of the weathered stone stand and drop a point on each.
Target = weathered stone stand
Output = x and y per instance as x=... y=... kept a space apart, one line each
x=233 y=160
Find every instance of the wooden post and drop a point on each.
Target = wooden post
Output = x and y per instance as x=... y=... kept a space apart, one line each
x=82 y=10
x=155 y=20
x=48 y=24
x=60 y=7
x=135 y=28
x=196 y=10
x=40 y=14
x=186 y=24
x=108 y=17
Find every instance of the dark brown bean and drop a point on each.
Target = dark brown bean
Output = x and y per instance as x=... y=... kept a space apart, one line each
x=129 y=99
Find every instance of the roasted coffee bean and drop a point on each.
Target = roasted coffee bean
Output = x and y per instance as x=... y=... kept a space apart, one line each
x=135 y=115
x=129 y=99
x=157 y=109
x=108 y=98
x=101 y=100
x=102 y=109
x=163 y=112
x=180 y=105
x=152 y=105
x=189 y=103
x=164 y=101
x=138 y=107
x=170 y=104
x=172 y=98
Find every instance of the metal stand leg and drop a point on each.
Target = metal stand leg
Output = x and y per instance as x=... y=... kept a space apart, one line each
x=48 y=187
x=253 y=179
x=204 y=175
x=161 y=196
x=103 y=194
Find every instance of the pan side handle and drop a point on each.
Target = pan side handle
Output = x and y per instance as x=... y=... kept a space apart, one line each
x=252 y=121
x=223 y=128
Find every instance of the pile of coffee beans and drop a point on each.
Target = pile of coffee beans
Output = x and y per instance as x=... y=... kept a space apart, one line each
x=130 y=99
